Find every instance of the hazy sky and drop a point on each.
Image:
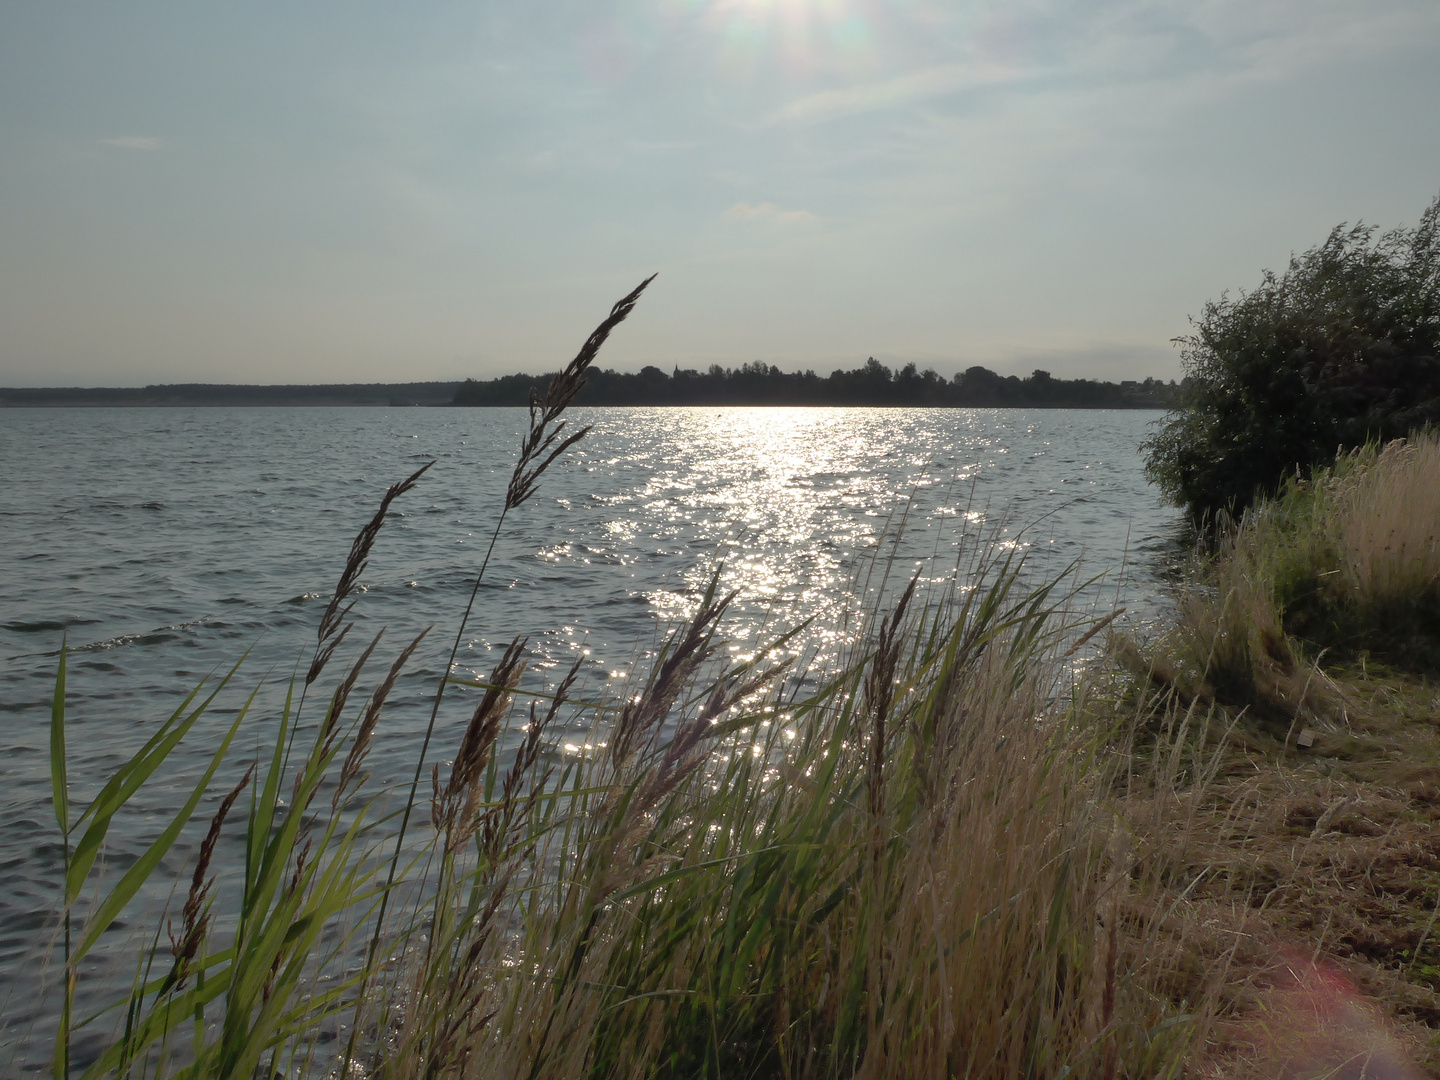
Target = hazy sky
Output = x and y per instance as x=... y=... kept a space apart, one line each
x=363 y=191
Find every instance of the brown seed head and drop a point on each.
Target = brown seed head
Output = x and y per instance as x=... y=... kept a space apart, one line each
x=334 y=617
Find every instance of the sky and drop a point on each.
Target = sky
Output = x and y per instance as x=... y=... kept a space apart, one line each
x=384 y=192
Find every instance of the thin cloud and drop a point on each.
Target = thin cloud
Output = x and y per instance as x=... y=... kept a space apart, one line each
x=1140 y=43
x=888 y=93
x=133 y=142
x=767 y=212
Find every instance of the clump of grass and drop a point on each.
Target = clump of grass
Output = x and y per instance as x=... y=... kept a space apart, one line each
x=903 y=873
x=1354 y=556
x=1345 y=564
x=310 y=878
x=1389 y=535
x=1227 y=644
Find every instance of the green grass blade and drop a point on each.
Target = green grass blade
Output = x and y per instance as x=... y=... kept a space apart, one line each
x=274 y=861
x=262 y=817
x=157 y=1025
x=127 y=780
x=136 y=876
x=123 y=772
x=62 y=1050
x=58 y=782
x=204 y=964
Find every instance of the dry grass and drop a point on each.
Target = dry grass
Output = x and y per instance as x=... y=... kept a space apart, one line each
x=904 y=875
x=1298 y=887
x=1228 y=646
x=1300 y=892
x=1389 y=524
x=1345 y=566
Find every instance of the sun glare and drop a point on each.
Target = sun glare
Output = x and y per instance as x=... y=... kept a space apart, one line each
x=794 y=37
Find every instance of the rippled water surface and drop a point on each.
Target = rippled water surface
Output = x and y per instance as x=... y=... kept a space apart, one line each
x=164 y=543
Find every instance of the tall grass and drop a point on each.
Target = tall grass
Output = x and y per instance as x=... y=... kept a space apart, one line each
x=1346 y=563
x=1388 y=521
x=902 y=864
x=893 y=875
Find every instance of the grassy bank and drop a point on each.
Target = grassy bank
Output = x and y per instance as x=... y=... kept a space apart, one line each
x=950 y=852
x=1303 y=860
x=1344 y=566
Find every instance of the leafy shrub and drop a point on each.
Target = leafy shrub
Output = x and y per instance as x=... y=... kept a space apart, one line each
x=1340 y=349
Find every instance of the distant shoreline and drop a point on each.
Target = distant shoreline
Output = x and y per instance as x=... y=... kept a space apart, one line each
x=752 y=384
x=181 y=395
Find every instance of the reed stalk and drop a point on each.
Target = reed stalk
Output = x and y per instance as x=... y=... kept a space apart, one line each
x=544 y=441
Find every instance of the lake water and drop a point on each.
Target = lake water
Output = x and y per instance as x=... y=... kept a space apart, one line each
x=163 y=543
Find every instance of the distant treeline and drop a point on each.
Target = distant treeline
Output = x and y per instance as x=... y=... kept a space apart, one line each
x=871 y=384
x=750 y=384
x=421 y=393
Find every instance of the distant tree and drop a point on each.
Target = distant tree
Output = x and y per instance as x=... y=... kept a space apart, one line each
x=1341 y=348
x=979 y=386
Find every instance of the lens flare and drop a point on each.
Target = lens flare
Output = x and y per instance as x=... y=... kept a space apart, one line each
x=744 y=39
x=798 y=37
x=1314 y=1022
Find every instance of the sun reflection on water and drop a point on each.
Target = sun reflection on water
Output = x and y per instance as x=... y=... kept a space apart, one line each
x=816 y=513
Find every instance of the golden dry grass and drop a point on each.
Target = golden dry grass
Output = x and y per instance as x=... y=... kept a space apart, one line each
x=1389 y=523
x=1343 y=566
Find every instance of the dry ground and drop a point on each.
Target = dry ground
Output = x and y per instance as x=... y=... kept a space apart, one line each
x=1300 y=887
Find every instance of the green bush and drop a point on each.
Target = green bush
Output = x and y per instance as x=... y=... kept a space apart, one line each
x=1340 y=349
